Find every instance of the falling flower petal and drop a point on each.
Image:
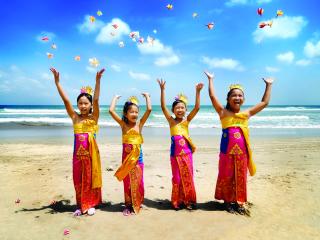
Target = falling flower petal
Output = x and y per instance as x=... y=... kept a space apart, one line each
x=77 y=58
x=260 y=11
x=169 y=6
x=92 y=19
x=150 y=40
x=194 y=15
x=49 y=55
x=264 y=24
x=54 y=46
x=210 y=25
x=17 y=201
x=279 y=13
x=115 y=26
x=141 y=40
x=121 y=44
x=99 y=13
x=66 y=232
x=155 y=31
x=45 y=39
x=94 y=62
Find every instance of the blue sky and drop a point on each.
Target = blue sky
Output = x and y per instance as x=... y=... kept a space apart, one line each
x=236 y=49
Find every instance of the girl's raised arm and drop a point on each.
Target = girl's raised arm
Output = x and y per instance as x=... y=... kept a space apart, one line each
x=96 y=95
x=265 y=99
x=148 y=110
x=67 y=103
x=196 y=108
x=214 y=100
x=164 y=108
x=112 y=111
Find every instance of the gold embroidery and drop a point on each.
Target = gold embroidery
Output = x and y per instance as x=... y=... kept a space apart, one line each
x=182 y=142
x=236 y=150
x=237 y=135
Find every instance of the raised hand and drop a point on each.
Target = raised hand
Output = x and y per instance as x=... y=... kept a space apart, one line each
x=55 y=74
x=268 y=80
x=99 y=74
x=145 y=94
x=162 y=83
x=199 y=86
x=116 y=97
x=209 y=75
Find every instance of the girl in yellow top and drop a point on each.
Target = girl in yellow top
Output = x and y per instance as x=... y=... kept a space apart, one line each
x=235 y=153
x=131 y=170
x=86 y=159
x=183 y=190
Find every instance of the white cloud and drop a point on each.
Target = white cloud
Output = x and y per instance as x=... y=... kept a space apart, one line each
x=312 y=50
x=116 y=68
x=225 y=63
x=46 y=76
x=272 y=69
x=90 y=27
x=91 y=69
x=303 y=62
x=50 y=35
x=286 y=57
x=108 y=34
x=232 y=3
x=156 y=48
x=139 y=76
x=282 y=28
x=166 y=55
x=167 y=60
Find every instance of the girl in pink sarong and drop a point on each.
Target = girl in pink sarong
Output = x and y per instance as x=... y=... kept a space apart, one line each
x=183 y=189
x=235 y=152
x=131 y=170
x=86 y=159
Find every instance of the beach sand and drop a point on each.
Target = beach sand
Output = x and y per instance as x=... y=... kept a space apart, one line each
x=283 y=196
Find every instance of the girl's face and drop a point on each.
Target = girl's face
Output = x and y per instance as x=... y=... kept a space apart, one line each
x=132 y=114
x=236 y=99
x=84 y=105
x=179 y=110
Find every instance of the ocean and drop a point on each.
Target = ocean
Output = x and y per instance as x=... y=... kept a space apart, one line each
x=274 y=120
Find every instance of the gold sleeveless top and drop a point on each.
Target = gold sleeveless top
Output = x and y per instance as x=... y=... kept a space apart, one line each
x=182 y=129
x=241 y=120
x=132 y=137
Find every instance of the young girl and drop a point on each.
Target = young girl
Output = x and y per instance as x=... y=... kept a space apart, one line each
x=131 y=170
x=86 y=159
x=235 y=153
x=183 y=190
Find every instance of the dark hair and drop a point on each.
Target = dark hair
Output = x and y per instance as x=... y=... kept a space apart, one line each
x=126 y=108
x=88 y=96
x=229 y=94
x=175 y=103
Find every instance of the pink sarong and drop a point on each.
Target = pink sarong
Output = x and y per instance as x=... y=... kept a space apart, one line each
x=86 y=196
x=183 y=190
x=233 y=162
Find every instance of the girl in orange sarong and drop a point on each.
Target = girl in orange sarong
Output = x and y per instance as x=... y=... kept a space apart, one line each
x=235 y=152
x=86 y=159
x=183 y=189
x=131 y=170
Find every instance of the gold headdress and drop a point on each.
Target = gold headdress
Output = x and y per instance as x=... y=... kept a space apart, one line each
x=134 y=100
x=235 y=86
x=86 y=89
x=182 y=98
